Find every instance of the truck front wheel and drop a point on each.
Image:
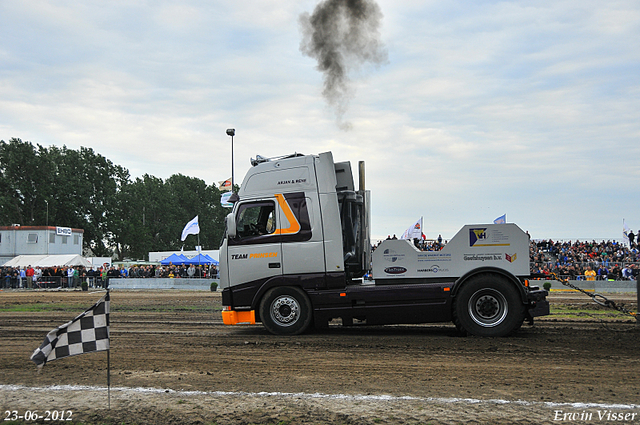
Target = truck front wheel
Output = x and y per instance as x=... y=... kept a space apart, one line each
x=285 y=310
x=488 y=305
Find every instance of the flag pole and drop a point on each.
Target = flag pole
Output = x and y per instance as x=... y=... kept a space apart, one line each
x=199 y=250
x=109 y=376
x=109 y=367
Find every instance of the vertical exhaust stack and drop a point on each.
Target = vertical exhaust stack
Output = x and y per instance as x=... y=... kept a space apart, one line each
x=361 y=176
x=365 y=219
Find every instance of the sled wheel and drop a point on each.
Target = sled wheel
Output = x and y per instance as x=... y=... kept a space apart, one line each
x=488 y=305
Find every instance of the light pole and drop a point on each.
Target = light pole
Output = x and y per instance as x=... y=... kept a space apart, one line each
x=231 y=132
x=46 y=232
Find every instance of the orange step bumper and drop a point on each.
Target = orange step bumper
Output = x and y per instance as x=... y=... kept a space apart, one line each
x=231 y=317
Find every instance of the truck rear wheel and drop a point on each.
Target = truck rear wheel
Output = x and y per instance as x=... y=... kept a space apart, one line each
x=285 y=310
x=488 y=305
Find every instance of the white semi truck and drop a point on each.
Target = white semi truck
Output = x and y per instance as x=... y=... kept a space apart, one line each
x=297 y=245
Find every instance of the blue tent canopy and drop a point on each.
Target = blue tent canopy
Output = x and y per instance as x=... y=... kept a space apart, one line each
x=213 y=260
x=174 y=259
x=201 y=259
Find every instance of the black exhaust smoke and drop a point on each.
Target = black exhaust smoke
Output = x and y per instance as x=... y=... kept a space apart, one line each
x=342 y=35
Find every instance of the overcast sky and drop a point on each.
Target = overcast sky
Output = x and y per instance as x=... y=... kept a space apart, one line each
x=480 y=108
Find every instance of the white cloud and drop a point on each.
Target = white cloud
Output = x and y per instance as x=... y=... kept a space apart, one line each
x=528 y=108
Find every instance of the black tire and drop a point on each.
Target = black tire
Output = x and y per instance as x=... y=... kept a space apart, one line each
x=488 y=305
x=286 y=310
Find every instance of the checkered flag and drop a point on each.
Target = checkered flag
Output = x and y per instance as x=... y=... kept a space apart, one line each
x=86 y=333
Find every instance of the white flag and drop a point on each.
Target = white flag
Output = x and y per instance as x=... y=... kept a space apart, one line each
x=625 y=232
x=414 y=231
x=500 y=220
x=192 y=228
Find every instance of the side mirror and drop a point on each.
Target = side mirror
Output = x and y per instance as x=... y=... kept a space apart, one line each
x=231 y=225
x=233 y=198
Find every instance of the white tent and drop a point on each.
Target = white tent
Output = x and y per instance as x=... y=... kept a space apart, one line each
x=48 y=261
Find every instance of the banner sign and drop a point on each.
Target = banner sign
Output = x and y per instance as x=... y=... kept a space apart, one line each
x=224 y=200
x=63 y=231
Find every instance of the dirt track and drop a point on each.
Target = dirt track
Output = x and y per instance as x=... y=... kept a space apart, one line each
x=195 y=370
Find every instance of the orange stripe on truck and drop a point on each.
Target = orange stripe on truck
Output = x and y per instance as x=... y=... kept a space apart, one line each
x=294 y=225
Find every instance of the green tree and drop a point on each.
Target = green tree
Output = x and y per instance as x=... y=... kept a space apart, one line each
x=140 y=219
x=83 y=189
x=25 y=176
x=152 y=213
x=86 y=188
x=196 y=198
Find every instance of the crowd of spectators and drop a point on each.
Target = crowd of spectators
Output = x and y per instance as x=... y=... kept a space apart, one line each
x=30 y=277
x=581 y=260
x=421 y=244
x=72 y=277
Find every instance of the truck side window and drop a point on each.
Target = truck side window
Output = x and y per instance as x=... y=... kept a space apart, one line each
x=256 y=219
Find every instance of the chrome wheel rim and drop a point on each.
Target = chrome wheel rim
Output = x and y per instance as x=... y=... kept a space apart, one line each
x=488 y=307
x=285 y=310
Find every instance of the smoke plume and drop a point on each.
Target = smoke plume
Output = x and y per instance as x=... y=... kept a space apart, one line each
x=342 y=35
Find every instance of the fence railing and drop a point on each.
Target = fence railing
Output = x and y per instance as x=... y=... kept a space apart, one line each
x=597 y=286
x=598 y=278
x=51 y=282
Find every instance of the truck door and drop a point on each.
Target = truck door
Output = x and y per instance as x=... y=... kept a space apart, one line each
x=302 y=250
x=255 y=254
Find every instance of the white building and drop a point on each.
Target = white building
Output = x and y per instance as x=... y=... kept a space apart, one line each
x=38 y=240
